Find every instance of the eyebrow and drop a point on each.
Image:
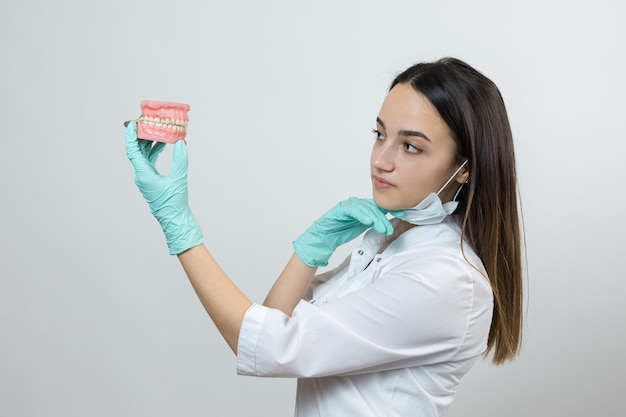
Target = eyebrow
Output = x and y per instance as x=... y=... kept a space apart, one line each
x=406 y=132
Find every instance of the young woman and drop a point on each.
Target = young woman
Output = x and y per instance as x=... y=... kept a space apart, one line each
x=393 y=329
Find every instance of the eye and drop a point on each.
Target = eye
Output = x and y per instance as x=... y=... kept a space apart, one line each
x=377 y=134
x=411 y=148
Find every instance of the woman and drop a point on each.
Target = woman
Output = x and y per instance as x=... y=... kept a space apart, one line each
x=393 y=329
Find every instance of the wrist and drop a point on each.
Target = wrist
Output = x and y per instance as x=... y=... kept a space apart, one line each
x=182 y=231
x=312 y=254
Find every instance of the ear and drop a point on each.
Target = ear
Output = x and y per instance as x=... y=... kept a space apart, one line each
x=463 y=176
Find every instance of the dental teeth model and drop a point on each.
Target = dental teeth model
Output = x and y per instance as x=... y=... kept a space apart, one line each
x=163 y=121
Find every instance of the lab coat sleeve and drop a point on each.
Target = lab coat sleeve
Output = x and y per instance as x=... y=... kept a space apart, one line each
x=403 y=319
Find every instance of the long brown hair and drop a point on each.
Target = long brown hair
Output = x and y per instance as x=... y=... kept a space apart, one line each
x=473 y=108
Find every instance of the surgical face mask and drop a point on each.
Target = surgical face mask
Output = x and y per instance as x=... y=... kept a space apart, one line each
x=431 y=210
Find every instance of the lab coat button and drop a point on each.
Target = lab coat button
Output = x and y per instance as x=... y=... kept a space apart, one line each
x=360 y=252
x=379 y=259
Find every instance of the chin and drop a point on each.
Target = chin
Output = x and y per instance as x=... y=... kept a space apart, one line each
x=384 y=204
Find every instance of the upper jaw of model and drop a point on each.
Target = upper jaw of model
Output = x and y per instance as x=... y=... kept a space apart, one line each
x=163 y=121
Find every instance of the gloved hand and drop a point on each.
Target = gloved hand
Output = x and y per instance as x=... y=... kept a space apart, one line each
x=166 y=195
x=339 y=225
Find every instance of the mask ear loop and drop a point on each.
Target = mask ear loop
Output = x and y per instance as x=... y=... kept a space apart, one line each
x=457 y=192
x=451 y=178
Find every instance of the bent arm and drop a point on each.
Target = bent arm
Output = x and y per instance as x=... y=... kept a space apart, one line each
x=167 y=197
x=411 y=316
x=226 y=304
x=291 y=286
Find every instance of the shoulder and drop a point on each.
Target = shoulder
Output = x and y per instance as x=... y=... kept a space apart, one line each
x=435 y=256
x=437 y=240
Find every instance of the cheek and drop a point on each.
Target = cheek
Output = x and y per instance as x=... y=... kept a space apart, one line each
x=416 y=187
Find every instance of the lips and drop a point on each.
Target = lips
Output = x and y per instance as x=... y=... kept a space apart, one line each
x=381 y=183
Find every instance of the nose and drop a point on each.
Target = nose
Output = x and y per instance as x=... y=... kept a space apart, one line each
x=382 y=156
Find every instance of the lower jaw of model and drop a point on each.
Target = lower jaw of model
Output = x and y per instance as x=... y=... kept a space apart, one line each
x=163 y=121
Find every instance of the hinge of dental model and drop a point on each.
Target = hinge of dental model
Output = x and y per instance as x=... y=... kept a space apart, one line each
x=128 y=121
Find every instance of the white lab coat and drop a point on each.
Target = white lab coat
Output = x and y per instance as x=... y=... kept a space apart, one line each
x=389 y=339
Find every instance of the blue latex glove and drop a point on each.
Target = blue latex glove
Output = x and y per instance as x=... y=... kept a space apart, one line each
x=167 y=196
x=339 y=225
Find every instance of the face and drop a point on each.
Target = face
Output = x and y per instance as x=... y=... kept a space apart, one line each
x=414 y=152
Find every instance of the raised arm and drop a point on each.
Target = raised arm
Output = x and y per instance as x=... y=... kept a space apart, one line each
x=167 y=197
x=222 y=300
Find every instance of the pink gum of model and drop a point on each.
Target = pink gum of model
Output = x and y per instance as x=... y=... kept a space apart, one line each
x=163 y=121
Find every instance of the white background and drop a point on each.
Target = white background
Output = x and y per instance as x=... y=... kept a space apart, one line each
x=96 y=319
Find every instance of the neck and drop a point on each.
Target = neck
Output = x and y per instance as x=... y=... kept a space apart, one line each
x=401 y=227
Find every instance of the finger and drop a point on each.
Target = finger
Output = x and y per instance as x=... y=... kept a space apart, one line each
x=377 y=220
x=179 y=160
x=155 y=151
x=144 y=146
x=368 y=213
x=383 y=226
x=132 y=146
x=133 y=150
